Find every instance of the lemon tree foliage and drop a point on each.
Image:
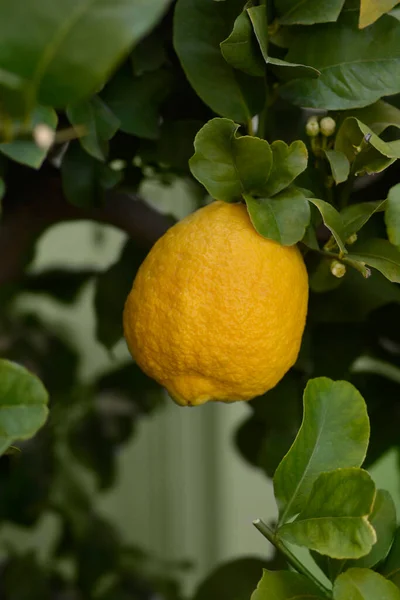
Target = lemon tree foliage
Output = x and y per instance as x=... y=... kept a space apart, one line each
x=134 y=113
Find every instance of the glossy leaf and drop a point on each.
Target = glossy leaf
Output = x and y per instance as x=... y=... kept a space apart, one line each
x=23 y=404
x=339 y=164
x=392 y=215
x=96 y=125
x=286 y=70
x=355 y=216
x=378 y=116
x=227 y=165
x=237 y=578
x=199 y=28
x=347 y=62
x=241 y=50
x=334 y=520
x=370 y=10
x=26 y=151
x=391 y=567
x=364 y=584
x=379 y=254
x=68 y=49
x=283 y=218
x=307 y=12
x=334 y=434
x=332 y=220
x=136 y=101
x=285 y=585
x=287 y=163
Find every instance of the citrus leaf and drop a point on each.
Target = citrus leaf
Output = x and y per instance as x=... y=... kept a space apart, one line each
x=371 y=11
x=334 y=434
x=23 y=404
x=392 y=215
x=391 y=567
x=283 y=218
x=339 y=164
x=347 y=62
x=307 y=12
x=235 y=579
x=26 y=151
x=334 y=520
x=285 y=585
x=355 y=216
x=287 y=163
x=364 y=584
x=379 y=254
x=287 y=70
x=332 y=220
x=379 y=116
x=199 y=28
x=98 y=123
x=241 y=50
x=69 y=59
x=227 y=165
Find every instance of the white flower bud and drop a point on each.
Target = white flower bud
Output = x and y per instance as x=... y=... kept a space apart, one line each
x=338 y=269
x=327 y=126
x=44 y=136
x=312 y=127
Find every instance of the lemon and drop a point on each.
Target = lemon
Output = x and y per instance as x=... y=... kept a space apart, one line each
x=216 y=311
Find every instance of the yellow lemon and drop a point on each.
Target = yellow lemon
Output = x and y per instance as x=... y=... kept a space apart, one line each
x=216 y=311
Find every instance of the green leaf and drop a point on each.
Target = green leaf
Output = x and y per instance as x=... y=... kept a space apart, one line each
x=236 y=579
x=23 y=404
x=79 y=173
x=379 y=116
x=136 y=101
x=334 y=434
x=283 y=218
x=61 y=284
x=334 y=520
x=98 y=125
x=371 y=11
x=199 y=28
x=25 y=151
x=65 y=50
x=392 y=215
x=285 y=585
x=227 y=165
x=332 y=220
x=355 y=216
x=339 y=164
x=288 y=162
x=379 y=254
x=286 y=70
x=240 y=49
x=363 y=584
x=307 y=12
x=347 y=62
x=391 y=567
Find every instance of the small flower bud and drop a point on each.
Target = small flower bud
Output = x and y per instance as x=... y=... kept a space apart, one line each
x=312 y=127
x=338 y=269
x=44 y=136
x=327 y=126
x=352 y=239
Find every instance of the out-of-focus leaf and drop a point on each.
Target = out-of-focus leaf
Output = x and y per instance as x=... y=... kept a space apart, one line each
x=307 y=12
x=62 y=284
x=371 y=11
x=392 y=215
x=285 y=585
x=237 y=579
x=391 y=567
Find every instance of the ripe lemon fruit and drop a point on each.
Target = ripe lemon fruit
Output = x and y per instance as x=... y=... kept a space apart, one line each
x=216 y=311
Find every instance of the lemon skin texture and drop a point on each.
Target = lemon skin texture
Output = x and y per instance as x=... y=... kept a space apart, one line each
x=216 y=311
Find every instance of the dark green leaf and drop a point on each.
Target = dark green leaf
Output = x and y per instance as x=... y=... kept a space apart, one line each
x=175 y=146
x=332 y=220
x=236 y=579
x=227 y=165
x=286 y=70
x=136 y=101
x=371 y=11
x=391 y=567
x=23 y=404
x=340 y=165
x=334 y=520
x=287 y=163
x=95 y=123
x=347 y=62
x=334 y=434
x=379 y=254
x=64 y=51
x=283 y=218
x=241 y=50
x=379 y=116
x=199 y=28
x=285 y=585
x=25 y=151
x=149 y=54
x=392 y=215
x=363 y=584
x=62 y=284
x=307 y=12
x=355 y=216
x=322 y=279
